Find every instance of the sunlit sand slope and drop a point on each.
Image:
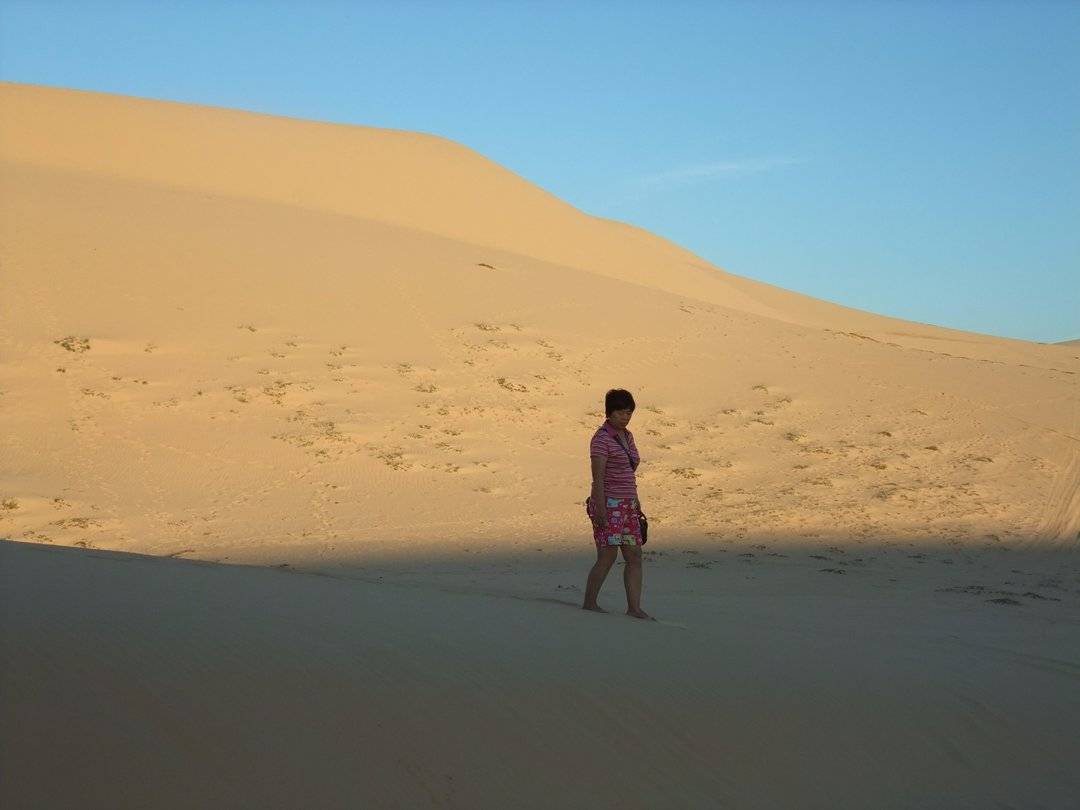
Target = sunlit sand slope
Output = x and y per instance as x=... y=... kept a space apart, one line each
x=419 y=181
x=242 y=337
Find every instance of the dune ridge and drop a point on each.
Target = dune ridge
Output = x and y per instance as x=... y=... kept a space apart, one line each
x=417 y=180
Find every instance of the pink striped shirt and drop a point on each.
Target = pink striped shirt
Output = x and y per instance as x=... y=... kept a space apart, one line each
x=619 y=478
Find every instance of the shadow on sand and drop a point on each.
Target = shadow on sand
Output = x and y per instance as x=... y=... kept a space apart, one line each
x=779 y=676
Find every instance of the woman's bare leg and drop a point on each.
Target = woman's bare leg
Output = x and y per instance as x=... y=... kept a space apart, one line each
x=605 y=558
x=632 y=581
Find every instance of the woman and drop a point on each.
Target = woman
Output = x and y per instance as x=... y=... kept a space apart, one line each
x=613 y=505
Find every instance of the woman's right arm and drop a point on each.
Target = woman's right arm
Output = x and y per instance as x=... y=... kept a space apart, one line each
x=599 y=502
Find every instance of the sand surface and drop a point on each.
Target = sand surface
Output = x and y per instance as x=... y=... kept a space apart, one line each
x=137 y=681
x=232 y=343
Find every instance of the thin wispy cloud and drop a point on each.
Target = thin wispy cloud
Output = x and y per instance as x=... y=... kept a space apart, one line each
x=705 y=172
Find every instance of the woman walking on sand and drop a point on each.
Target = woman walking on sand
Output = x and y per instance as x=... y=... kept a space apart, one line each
x=613 y=506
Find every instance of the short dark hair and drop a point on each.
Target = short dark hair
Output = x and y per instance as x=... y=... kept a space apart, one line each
x=618 y=398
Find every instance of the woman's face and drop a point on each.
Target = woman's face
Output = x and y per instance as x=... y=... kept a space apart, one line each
x=621 y=417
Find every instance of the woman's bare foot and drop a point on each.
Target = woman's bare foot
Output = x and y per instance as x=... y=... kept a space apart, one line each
x=597 y=608
x=638 y=614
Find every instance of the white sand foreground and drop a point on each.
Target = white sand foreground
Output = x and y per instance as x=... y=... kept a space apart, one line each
x=133 y=681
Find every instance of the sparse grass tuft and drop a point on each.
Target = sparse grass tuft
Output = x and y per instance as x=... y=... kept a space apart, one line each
x=511 y=386
x=686 y=472
x=74 y=344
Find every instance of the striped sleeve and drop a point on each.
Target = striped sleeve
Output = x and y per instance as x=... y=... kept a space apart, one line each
x=599 y=445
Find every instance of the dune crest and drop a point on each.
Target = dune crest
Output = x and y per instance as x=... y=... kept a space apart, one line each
x=404 y=178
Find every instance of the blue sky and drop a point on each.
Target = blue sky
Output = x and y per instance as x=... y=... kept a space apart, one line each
x=918 y=159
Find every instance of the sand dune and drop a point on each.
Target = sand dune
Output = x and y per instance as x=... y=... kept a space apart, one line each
x=421 y=182
x=239 y=338
x=249 y=365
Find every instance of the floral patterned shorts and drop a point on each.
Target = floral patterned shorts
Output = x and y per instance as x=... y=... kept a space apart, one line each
x=623 y=527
